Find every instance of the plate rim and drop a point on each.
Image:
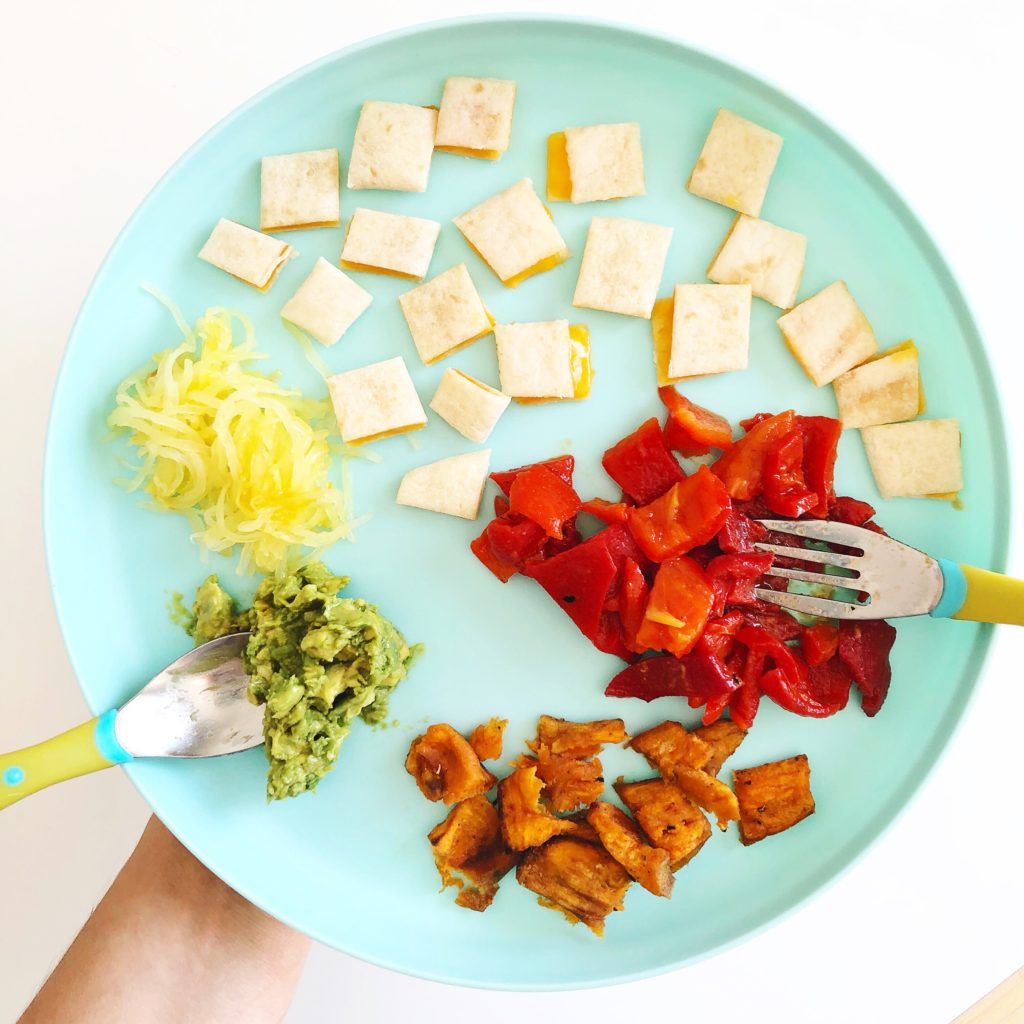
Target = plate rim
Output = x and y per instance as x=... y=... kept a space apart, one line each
x=857 y=156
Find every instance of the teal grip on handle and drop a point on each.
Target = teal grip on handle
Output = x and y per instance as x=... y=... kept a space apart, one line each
x=106 y=739
x=954 y=590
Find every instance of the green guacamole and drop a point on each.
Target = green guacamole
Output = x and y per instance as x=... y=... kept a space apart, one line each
x=317 y=661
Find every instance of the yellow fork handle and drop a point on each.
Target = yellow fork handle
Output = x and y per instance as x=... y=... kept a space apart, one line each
x=86 y=748
x=991 y=597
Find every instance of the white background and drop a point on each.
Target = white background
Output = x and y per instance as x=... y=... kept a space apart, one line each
x=97 y=99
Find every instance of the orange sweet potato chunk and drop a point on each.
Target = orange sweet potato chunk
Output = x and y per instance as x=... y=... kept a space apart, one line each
x=469 y=852
x=446 y=767
x=622 y=838
x=708 y=792
x=525 y=822
x=569 y=782
x=669 y=745
x=580 y=879
x=486 y=739
x=668 y=819
x=723 y=737
x=576 y=739
x=773 y=797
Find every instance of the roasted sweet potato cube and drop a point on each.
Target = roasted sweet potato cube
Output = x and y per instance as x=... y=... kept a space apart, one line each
x=470 y=853
x=524 y=821
x=708 y=792
x=667 y=818
x=486 y=739
x=622 y=838
x=723 y=737
x=773 y=797
x=580 y=879
x=446 y=767
x=669 y=745
x=569 y=782
x=577 y=739
x=582 y=829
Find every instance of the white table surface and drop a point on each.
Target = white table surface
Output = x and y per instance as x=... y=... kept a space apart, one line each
x=99 y=98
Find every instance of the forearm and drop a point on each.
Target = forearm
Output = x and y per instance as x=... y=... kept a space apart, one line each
x=170 y=942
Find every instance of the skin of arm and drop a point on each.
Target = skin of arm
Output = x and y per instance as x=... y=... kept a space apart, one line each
x=170 y=942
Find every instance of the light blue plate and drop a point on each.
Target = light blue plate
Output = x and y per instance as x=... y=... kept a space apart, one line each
x=351 y=865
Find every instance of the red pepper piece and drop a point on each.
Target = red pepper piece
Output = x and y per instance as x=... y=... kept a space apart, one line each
x=741 y=467
x=641 y=464
x=632 y=600
x=774 y=619
x=821 y=441
x=786 y=683
x=571 y=536
x=547 y=500
x=830 y=682
x=689 y=514
x=752 y=421
x=514 y=540
x=619 y=543
x=714 y=708
x=691 y=429
x=785 y=491
x=661 y=676
x=739 y=533
x=500 y=506
x=733 y=578
x=720 y=634
x=607 y=511
x=481 y=547
x=562 y=466
x=864 y=648
x=850 y=510
x=677 y=609
x=745 y=701
x=819 y=643
x=608 y=637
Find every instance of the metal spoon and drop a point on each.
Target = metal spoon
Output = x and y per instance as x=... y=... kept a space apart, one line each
x=196 y=707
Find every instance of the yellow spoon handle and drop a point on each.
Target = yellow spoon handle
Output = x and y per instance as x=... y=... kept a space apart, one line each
x=992 y=597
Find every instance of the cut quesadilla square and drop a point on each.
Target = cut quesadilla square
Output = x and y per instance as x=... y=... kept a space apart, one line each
x=710 y=329
x=445 y=314
x=622 y=266
x=736 y=163
x=327 y=303
x=543 y=361
x=920 y=458
x=468 y=405
x=768 y=258
x=475 y=118
x=885 y=389
x=601 y=161
x=392 y=147
x=514 y=234
x=389 y=243
x=828 y=333
x=375 y=401
x=249 y=255
x=300 y=190
x=453 y=486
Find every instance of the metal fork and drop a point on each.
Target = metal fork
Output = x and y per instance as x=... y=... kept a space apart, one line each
x=888 y=579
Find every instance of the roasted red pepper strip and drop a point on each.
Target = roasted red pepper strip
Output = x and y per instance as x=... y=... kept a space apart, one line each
x=514 y=539
x=481 y=547
x=733 y=578
x=864 y=648
x=739 y=533
x=830 y=682
x=677 y=609
x=689 y=514
x=741 y=467
x=691 y=429
x=771 y=617
x=819 y=643
x=714 y=708
x=821 y=440
x=745 y=701
x=641 y=464
x=632 y=600
x=786 y=683
x=661 y=676
x=606 y=511
x=850 y=510
x=785 y=491
x=541 y=496
x=562 y=466
x=500 y=505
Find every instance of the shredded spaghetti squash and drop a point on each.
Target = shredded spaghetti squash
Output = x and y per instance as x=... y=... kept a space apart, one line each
x=243 y=457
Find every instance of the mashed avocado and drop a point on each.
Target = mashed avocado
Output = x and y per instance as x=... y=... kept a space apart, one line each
x=317 y=661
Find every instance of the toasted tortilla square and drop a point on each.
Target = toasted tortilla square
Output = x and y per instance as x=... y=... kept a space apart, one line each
x=453 y=486
x=915 y=459
x=534 y=360
x=622 y=265
x=514 y=234
x=445 y=313
x=661 y=337
x=392 y=147
x=736 y=163
x=605 y=161
x=828 y=333
x=710 y=329
x=389 y=243
x=375 y=401
x=886 y=389
x=300 y=190
x=475 y=118
x=768 y=258
x=250 y=256
x=773 y=797
x=468 y=405
x=327 y=303
x=667 y=818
